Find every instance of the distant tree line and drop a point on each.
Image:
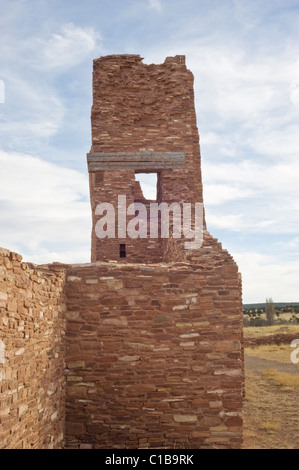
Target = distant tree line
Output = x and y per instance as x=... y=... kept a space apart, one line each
x=269 y=314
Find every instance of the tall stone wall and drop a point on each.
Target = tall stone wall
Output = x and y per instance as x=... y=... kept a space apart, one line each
x=154 y=355
x=143 y=120
x=32 y=355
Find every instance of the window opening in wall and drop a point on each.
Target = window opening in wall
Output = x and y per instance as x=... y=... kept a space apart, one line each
x=122 y=250
x=148 y=184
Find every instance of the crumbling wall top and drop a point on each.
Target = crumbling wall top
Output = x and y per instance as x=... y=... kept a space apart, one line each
x=136 y=59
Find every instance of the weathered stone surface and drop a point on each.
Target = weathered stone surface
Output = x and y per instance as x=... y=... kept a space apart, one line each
x=140 y=351
x=32 y=382
x=152 y=130
x=185 y=418
x=142 y=355
x=129 y=358
x=154 y=161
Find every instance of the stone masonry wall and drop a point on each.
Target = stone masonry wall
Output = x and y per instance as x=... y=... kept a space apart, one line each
x=141 y=108
x=154 y=355
x=32 y=355
x=151 y=354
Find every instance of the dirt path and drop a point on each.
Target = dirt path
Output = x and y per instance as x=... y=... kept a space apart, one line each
x=271 y=412
x=255 y=364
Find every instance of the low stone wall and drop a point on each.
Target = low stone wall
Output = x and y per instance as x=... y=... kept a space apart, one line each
x=32 y=355
x=154 y=356
x=280 y=338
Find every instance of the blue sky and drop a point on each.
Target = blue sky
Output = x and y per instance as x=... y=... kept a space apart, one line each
x=245 y=59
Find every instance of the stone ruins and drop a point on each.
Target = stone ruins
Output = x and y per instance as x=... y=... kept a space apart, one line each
x=142 y=347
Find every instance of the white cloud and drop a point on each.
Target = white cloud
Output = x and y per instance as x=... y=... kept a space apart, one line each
x=252 y=178
x=30 y=109
x=53 y=50
x=68 y=48
x=245 y=15
x=242 y=87
x=269 y=195
x=280 y=143
x=267 y=276
x=29 y=180
x=61 y=256
x=221 y=193
x=156 y=5
x=294 y=91
x=293 y=243
x=2 y=91
x=148 y=184
x=35 y=107
x=33 y=112
x=226 y=221
x=217 y=144
x=43 y=204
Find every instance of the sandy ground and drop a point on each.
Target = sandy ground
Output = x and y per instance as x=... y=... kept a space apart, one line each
x=271 y=411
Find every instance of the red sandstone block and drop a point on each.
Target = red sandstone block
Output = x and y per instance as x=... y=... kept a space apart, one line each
x=15 y=257
x=140 y=388
x=210 y=421
x=74 y=429
x=236 y=421
x=232 y=404
x=201 y=434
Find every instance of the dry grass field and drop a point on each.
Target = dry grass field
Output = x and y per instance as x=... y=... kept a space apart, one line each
x=271 y=411
x=280 y=353
x=254 y=331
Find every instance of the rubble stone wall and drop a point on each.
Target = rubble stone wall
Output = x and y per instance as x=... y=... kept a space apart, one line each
x=32 y=355
x=137 y=351
x=154 y=356
x=141 y=110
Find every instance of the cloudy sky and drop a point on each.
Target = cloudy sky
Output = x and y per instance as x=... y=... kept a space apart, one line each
x=245 y=59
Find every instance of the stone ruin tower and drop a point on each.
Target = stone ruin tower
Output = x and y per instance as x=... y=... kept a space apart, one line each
x=143 y=121
x=142 y=347
x=171 y=333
